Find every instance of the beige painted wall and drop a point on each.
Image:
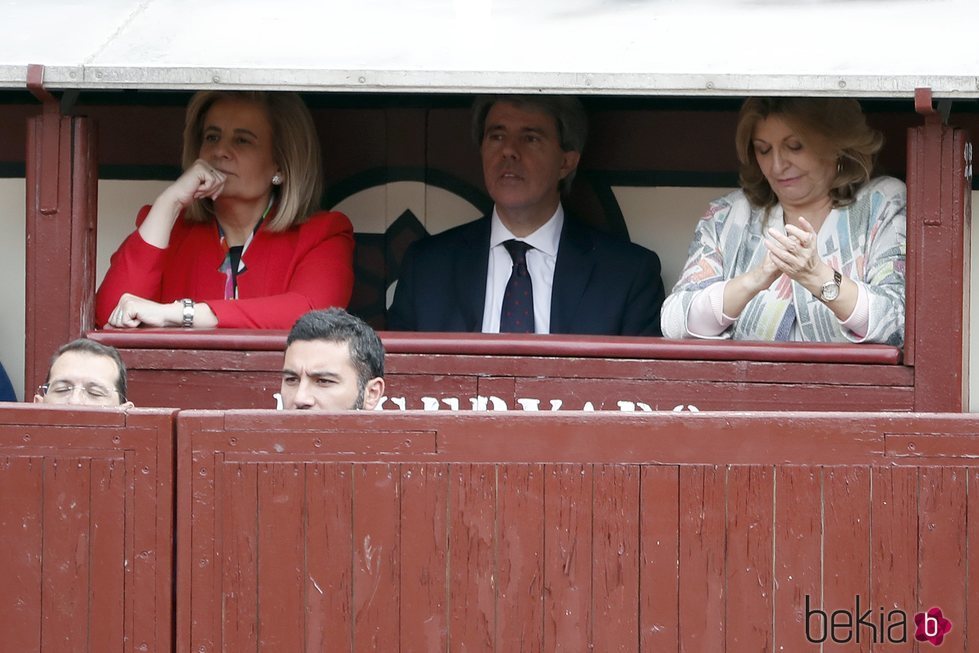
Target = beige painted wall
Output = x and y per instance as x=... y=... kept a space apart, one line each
x=662 y=219
x=12 y=263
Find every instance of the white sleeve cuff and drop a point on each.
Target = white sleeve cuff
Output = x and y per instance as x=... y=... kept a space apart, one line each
x=705 y=317
x=860 y=317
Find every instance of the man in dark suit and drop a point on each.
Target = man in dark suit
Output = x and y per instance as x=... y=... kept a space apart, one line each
x=528 y=267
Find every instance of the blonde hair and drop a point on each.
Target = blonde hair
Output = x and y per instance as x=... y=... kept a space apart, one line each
x=836 y=126
x=295 y=148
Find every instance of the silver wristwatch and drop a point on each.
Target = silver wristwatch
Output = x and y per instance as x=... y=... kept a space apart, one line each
x=188 y=320
x=831 y=289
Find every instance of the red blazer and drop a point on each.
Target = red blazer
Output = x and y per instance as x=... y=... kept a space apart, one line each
x=288 y=273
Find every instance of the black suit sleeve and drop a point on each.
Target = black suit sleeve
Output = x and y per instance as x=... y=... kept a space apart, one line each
x=646 y=295
x=401 y=316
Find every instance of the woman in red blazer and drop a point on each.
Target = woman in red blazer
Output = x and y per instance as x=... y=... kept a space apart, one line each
x=238 y=240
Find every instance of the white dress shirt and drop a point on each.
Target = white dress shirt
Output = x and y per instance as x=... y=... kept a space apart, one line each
x=540 y=265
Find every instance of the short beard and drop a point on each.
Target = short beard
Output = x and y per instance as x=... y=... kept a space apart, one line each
x=359 y=402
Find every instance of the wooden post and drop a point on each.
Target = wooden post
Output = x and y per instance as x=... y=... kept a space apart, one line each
x=62 y=194
x=939 y=261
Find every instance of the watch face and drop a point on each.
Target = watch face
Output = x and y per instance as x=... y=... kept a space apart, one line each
x=831 y=290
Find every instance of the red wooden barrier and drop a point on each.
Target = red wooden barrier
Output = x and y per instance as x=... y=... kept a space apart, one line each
x=86 y=530
x=939 y=261
x=606 y=532
x=62 y=189
x=242 y=369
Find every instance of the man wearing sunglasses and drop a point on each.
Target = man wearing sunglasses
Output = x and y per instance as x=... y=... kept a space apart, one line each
x=85 y=373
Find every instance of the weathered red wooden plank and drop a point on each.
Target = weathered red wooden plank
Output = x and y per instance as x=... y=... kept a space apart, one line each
x=424 y=541
x=281 y=557
x=180 y=358
x=939 y=179
x=604 y=394
x=590 y=347
x=329 y=558
x=62 y=181
x=702 y=596
x=500 y=387
x=14 y=416
x=798 y=553
x=666 y=438
x=894 y=549
x=567 y=557
x=240 y=529
x=20 y=551
x=615 y=555
x=198 y=611
x=749 y=545
x=148 y=441
x=67 y=554
x=203 y=389
x=846 y=551
x=472 y=557
x=659 y=570
x=969 y=630
x=942 y=561
x=673 y=438
x=520 y=545
x=328 y=442
x=459 y=389
x=376 y=572
x=583 y=348
x=110 y=536
x=745 y=370
x=925 y=446
x=84 y=224
x=164 y=340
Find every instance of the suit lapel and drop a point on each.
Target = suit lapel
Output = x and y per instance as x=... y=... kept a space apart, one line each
x=572 y=271
x=470 y=262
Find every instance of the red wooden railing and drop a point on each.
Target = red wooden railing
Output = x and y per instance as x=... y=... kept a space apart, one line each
x=242 y=369
x=604 y=532
x=86 y=530
x=489 y=532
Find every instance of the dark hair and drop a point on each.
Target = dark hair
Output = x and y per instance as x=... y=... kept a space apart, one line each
x=836 y=126
x=96 y=349
x=295 y=146
x=567 y=111
x=337 y=325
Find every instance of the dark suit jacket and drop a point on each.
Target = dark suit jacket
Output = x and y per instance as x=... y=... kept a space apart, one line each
x=602 y=285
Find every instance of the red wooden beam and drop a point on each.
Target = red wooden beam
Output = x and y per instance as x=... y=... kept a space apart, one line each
x=62 y=187
x=939 y=261
x=493 y=344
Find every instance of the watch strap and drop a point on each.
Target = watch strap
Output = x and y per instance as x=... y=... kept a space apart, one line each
x=188 y=315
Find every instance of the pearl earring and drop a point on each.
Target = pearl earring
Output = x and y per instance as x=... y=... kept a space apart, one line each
x=276 y=179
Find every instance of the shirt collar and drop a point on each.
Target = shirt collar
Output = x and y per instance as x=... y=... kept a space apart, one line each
x=546 y=238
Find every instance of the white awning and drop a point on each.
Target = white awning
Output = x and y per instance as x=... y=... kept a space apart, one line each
x=878 y=48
